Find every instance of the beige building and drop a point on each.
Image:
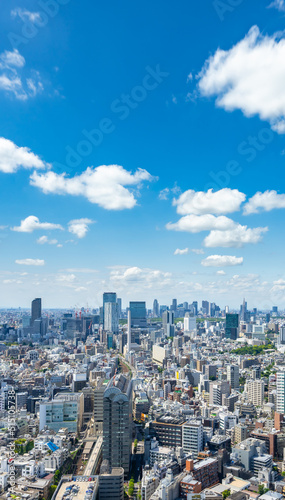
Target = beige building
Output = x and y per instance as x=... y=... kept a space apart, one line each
x=255 y=392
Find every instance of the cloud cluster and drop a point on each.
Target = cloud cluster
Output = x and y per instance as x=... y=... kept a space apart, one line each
x=267 y=201
x=79 y=227
x=222 y=261
x=13 y=157
x=33 y=223
x=250 y=76
x=278 y=4
x=12 y=79
x=204 y=211
x=30 y=262
x=183 y=251
x=104 y=185
x=224 y=201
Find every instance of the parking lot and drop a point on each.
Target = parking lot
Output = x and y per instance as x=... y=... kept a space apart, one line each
x=76 y=490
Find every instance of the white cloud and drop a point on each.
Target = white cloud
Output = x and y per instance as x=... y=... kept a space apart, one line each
x=269 y=200
x=44 y=239
x=183 y=251
x=11 y=59
x=32 y=223
x=13 y=157
x=249 y=77
x=143 y=277
x=236 y=237
x=220 y=273
x=224 y=201
x=26 y=15
x=104 y=185
x=221 y=261
x=164 y=194
x=197 y=223
x=277 y=4
x=30 y=262
x=12 y=78
x=198 y=251
x=67 y=278
x=79 y=227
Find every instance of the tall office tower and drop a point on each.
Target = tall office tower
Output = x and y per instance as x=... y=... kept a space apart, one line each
x=117 y=424
x=119 y=302
x=281 y=336
x=185 y=306
x=138 y=315
x=227 y=309
x=243 y=311
x=36 y=310
x=155 y=310
x=111 y=317
x=173 y=307
x=275 y=309
x=280 y=398
x=192 y=437
x=189 y=323
x=194 y=307
x=232 y=324
x=233 y=376
x=108 y=297
x=168 y=323
x=255 y=392
x=129 y=335
x=205 y=306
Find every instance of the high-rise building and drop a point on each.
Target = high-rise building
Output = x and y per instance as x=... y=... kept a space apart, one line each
x=281 y=336
x=111 y=482
x=233 y=376
x=155 y=310
x=119 y=302
x=111 y=317
x=138 y=315
x=217 y=390
x=36 y=310
x=168 y=323
x=232 y=325
x=190 y=323
x=280 y=397
x=255 y=392
x=243 y=311
x=65 y=410
x=108 y=297
x=205 y=307
x=117 y=423
x=192 y=437
x=173 y=307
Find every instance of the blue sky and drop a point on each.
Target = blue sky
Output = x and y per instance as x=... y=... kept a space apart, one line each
x=186 y=110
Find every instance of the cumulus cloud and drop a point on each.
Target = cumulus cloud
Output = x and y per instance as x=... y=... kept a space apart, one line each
x=44 y=239
x=198 y=251
x=32 y=223
x=12 y=79
x=79 y=227
x=224 y=201
x=236 y=237
x=30 y=262
x=13 y=157
x=183 y=251
x=221 y=273
x=269 y=200
x=144 y=277
x=278 y=4
x=104 y=185
x=221 y=261
x=197 y=223
x=249 y=77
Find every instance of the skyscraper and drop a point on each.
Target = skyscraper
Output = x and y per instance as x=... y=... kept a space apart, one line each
x=280 y=385
x=168 y=323
x=173 y=307
x=138 y=315
x=36 y=312
x=111 y=317
x=155 y=309
x=108 y=297
x=119 y=302
x=232 y=324
x=117 y=424
x=233 y=376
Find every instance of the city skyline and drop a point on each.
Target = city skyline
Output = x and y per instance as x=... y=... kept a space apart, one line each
x=147 y=164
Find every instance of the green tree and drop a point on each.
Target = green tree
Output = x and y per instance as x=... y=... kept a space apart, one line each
x=226 y=494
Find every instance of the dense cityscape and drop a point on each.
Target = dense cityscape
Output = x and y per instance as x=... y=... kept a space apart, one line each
x=185 y=401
